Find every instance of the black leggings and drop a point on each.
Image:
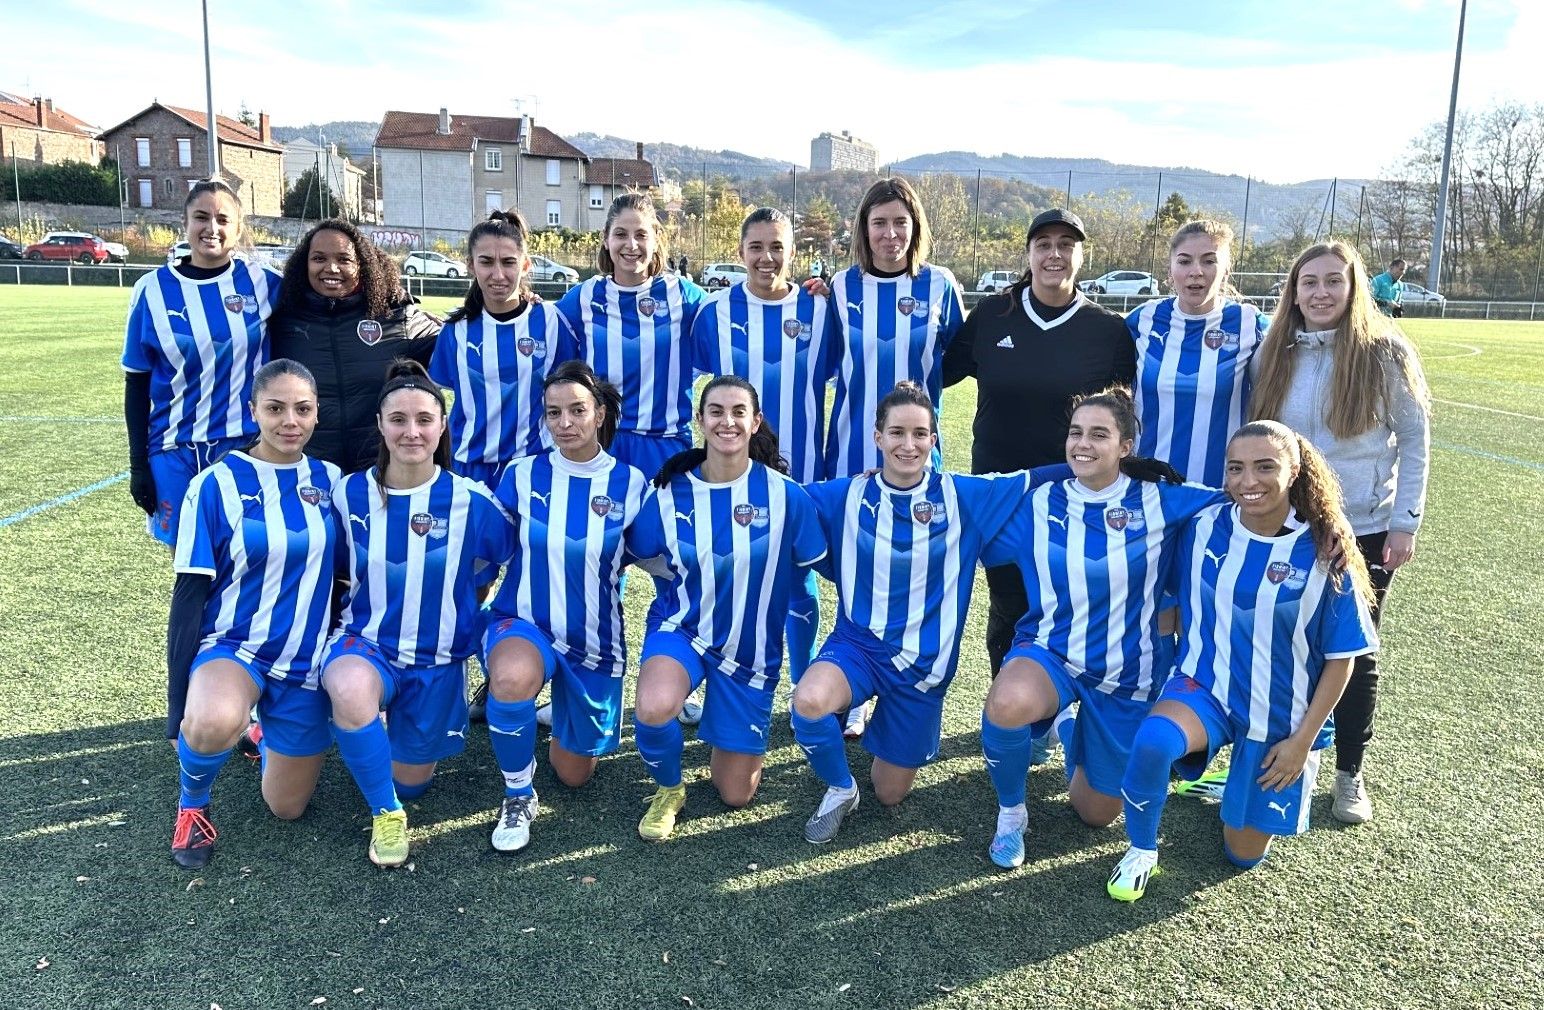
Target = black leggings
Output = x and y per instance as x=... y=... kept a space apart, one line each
x=1353 y=715
x=1009 y=601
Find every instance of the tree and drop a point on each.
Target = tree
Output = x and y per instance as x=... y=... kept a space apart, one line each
x=245 y=115
x=817 y=227
x=308 y=196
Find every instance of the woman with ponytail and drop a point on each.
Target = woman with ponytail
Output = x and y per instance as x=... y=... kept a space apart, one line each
x=415 y=538
x=1095 y=552
x=1336 y=370
x=727 y=536
x=495 y=352
x=1274 y=602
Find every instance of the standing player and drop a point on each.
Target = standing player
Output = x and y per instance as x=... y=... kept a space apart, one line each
x=731 y=534
x=415 y=535
x=904 y=547
x=1270 y=631
x=495 y=352
x=1095 y=552
x=1336 y=371
x=250 y=610
x=1032 y=349
x=558 y=615
x=780 y=337
x=197 y=331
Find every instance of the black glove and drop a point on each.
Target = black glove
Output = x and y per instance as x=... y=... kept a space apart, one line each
x=681 y=462
x=142 y=487
x=1152 y=471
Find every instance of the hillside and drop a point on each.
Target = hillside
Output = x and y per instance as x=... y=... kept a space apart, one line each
x=356 y=136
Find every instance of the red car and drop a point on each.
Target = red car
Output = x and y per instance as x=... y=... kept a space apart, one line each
x=77 y=246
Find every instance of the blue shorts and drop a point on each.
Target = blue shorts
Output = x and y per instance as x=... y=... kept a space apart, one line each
x=735 y=717
x=907 y=722
x=647 y=452
x=486 y=474
x=1245 y=803
x=173 y=470
x=586 y=704
x=425 y=706
x=1105 y=727
x=294 y=717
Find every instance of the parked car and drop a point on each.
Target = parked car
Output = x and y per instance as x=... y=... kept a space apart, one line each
x=722 y=275
x=61 y=246
x=1122 y=282
x=273 y=255
x=543 y=269
x=117 y=252
x=997 y=280
x=1415 y=294
x=432 y=264
x=177 y=252
x=10 y=249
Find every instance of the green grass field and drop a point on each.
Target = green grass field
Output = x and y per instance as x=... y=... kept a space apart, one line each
x=1433 y=904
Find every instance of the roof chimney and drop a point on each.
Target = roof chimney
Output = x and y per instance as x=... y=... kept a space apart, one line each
x=444 y=127
x=264 y=130
x=527 y=124
x=640 y=150
x=41 y=112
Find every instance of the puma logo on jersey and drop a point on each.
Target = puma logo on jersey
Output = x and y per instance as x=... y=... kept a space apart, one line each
x=1006 y=342
x=855 y=306
x=178 y=313
x=872 y=506
x=806 y=618
x=541 y=497
x=1058 y=520
x=363 y=521
x=686 y=517
x=1140 y=807
x=474 y=347
x=251 y=497
x=1280 y=808
x=1215 y=559
x=739 y=326
x=599 y=307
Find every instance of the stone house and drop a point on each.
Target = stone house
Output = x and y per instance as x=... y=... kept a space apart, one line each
x=35 y=131
x=163 y=151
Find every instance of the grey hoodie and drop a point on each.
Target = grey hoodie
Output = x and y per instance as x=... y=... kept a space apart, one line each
x=1382 y=471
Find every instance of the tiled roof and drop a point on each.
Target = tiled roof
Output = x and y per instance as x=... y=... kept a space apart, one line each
x=419 y=131
x=231 y=131
x=18 y=111
x=620 y=172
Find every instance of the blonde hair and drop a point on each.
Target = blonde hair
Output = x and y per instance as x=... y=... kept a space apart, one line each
x=1368 y=351
x=1219 y=232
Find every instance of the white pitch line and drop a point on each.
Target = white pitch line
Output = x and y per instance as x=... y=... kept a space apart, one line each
x=1469 y=351
x=1488 y=410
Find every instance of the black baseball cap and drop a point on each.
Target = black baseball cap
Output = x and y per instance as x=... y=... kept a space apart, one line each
x=1046 y=218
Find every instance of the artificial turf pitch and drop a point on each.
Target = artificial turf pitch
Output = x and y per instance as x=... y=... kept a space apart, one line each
x=1434 y=903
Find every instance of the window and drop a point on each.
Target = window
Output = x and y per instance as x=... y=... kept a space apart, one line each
x=493 y=200
x=146 y=193
x=493 y=159
x=184 y=152
x=554 y=172
x=168 y=187
x=142 y=151
x=597 y=197
x=554 y=211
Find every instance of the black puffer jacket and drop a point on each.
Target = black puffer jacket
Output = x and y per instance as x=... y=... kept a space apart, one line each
x=349 y=354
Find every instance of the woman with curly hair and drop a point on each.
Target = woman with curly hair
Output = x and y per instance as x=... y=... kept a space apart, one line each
x=1341 y=374
x=343 y=314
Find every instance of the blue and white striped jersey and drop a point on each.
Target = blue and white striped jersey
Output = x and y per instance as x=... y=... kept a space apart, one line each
x=732 y=551
x=1259 y=618
x=904 y=561
x=638 y=338
x=1192 y=386
x=201 y=342
x=496 y=370
x=1095 y=565
x=413 y=562
x=267 y=536
x=890 y=328
x=788 y=350
x=569 y=553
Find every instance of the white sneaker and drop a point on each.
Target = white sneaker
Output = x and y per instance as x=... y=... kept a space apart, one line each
x=858 y=719
x=1352 y=805
x=691 y=710
x=1136 y=867
x=827 y=819
x=544 y=715
x=512 y=831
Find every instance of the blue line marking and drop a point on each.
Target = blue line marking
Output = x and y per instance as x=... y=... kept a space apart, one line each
x=64 y=499
x=1451 y=447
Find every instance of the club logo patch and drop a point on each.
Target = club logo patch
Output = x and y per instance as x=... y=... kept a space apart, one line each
x=369 y=331
x=793 y=329
x=646 y=306
x=743 y=514
x=1217 y=339
x=907 y=305
x=314 y=496
x=926 y=512
x=1123 y=518
x=1279 y=572
x=530 y=347
x=235 y=303
x=606 y=507
x=425 y=524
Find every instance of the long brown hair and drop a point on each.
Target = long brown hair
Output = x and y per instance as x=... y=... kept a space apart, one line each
x=1368 y=353
x=1315 y=496
x=884 y=191
x=644 y=205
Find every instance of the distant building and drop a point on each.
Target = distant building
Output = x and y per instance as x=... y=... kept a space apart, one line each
x=35 y=131
x=838 y=152
x=345 y=180
x=163 y=150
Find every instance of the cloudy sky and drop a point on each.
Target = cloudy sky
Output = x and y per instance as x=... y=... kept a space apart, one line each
x=1280 y=90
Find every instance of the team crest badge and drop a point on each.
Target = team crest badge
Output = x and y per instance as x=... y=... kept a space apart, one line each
x=907 y=305
x=605 y=506
x=1278 y=572
x=1216 y=339
x=1116 y=518
x=421 y=523
x=793 y=329
x=1125 y=519
x=530 y=347
x=646 y=306
x=314 y=495
x=743 y=514
x=925 y=511
x=235 y=303
x=369 y=331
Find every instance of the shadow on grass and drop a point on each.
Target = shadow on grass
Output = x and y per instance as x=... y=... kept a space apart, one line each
x=736 y=911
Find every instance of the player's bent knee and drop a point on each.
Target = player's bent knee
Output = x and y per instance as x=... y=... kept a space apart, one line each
x=736 y=794
x=212 y=728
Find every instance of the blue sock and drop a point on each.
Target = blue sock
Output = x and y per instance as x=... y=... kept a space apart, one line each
x=512 y=732
x=407 y=792
x=802 y=624
x=197 y=772
x=821 y=740
x=1159 y=743
x=366 y=753
x=1240 y=861
x=660 y=747
x=1007 y=760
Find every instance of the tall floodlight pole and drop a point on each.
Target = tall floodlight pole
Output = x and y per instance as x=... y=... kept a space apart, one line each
x=214 y=149
x=1434 y=268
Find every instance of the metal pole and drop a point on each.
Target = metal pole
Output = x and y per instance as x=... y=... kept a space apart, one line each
x=1069 y=189
x=1361 y=202
x=16 y=181
x=1152 y=244
x=704 y=259
x=793 y=208
x=1434 y=268
x=1243 y=232
x=1538 y=271
x=214 y=147
x=123 y=225
x=423 y=218
x=1334 y=198
x=975 y=232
